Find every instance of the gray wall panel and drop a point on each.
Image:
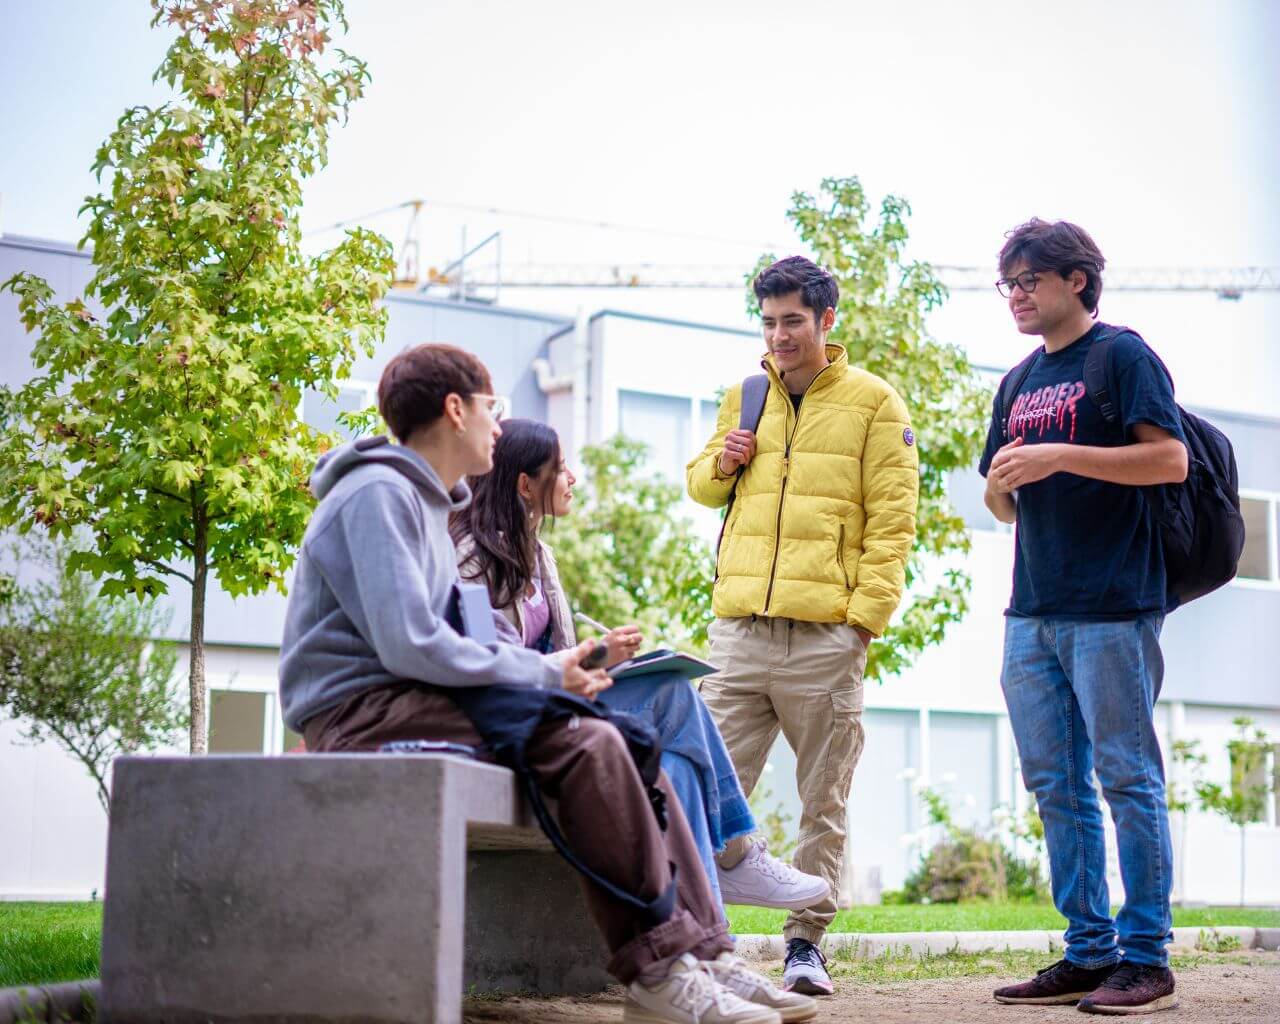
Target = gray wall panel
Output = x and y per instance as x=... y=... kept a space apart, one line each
x=1225 y=648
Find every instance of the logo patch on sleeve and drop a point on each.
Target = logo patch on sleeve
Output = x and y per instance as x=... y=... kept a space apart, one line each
x=908 y=436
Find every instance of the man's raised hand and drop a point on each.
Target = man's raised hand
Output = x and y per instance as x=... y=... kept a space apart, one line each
x=739 y=449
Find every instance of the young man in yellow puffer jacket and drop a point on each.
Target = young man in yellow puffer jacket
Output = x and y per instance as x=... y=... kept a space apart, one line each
x=810 y=569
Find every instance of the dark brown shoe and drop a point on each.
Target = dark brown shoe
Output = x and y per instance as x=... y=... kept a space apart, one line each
x=1064 y=982
x=1132 y=988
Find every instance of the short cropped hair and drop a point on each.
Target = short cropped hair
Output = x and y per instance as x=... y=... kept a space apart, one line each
x=414 y=385
x=817 y=288
x=1061 y=247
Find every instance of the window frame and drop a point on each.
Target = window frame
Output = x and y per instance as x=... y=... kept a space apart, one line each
x=1272 y=519
x=369 y=387
x=693 y=402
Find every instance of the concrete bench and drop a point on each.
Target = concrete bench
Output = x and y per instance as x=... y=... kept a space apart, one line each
x=331 y=888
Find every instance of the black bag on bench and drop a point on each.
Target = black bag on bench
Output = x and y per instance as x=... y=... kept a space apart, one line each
x=506 y=718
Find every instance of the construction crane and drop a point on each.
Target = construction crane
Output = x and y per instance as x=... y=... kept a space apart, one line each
x=1226 y=282
x=467 y=276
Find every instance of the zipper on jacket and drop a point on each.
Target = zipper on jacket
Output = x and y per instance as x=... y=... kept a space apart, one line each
x=777 y=526
x=782 y=493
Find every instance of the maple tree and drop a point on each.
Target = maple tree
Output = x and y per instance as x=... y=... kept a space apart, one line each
x=169 y=425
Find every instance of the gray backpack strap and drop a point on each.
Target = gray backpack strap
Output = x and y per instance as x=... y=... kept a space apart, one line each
x=755 y=390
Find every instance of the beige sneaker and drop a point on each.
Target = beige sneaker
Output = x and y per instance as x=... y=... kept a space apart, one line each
x=731 y=972
x=689 y=995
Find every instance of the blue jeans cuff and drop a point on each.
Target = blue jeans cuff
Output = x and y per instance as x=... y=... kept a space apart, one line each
x=735 y=820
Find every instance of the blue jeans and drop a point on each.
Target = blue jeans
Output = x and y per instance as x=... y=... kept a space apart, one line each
x=694 y=758
x=1080 y=698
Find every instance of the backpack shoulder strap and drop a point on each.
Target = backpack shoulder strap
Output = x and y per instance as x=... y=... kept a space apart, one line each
x=755 y=390
x=1010 y=386
x=1097 y=378
x=1099 y=371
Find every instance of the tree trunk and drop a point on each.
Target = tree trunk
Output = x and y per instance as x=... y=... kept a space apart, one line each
x=199 y=577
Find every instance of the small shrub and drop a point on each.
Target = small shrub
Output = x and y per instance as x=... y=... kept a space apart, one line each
x=967 y=866
x=1210 y=941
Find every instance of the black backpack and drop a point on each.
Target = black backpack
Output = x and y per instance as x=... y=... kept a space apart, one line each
x=755 y=390
x=1201 y=529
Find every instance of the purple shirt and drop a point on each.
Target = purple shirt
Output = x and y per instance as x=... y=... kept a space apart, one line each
x=537 y=614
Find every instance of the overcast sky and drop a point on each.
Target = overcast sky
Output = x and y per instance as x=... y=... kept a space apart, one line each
x=1152 y=122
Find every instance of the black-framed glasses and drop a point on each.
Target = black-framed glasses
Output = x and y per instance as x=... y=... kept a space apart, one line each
x=1027 y=281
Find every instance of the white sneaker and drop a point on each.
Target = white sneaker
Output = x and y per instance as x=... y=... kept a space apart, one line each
x=732 y=972
x=805 y=969
x=689 y=995
x=761 y=880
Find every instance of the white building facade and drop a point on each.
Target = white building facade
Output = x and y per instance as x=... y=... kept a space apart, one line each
x=942 y=723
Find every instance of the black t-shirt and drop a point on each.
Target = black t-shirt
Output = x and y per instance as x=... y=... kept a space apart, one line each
x=1086 y=549
x=796 y=400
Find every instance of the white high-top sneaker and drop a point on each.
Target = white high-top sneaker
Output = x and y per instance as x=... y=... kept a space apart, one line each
x=732 y=972
x=689 y=995
x=761 y=880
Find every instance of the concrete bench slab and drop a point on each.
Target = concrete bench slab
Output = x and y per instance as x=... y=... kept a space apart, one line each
x=331 y=888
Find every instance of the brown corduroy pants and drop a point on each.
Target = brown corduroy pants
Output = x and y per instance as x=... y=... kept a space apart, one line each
x=601 y=804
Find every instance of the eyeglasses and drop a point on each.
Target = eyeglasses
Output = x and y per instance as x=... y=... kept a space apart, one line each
x=1027 y=281
x=495 y=406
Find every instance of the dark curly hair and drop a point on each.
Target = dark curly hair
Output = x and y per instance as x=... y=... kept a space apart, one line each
x=816 y=286
x=1061 y=247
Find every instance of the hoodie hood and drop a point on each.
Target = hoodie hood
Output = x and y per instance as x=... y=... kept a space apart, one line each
x=336 y=463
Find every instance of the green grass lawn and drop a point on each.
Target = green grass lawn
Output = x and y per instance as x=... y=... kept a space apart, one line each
x=979 y=917
x=48 y=942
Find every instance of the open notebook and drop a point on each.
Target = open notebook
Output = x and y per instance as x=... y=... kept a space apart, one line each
x=662 y=660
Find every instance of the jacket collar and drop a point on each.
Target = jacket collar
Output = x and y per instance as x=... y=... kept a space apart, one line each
x=837 y=358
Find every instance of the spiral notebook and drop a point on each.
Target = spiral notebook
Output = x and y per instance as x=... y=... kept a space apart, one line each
x=662 y=660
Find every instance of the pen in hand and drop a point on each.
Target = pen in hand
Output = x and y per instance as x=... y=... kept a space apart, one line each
x=587 y=620
x=623 y=642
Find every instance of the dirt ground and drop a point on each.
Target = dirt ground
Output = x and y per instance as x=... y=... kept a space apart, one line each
x=1241 y=989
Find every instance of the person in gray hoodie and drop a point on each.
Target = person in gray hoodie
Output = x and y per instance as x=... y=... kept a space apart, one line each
x=368 y=657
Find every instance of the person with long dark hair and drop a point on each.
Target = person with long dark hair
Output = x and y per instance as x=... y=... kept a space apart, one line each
x=498 y=543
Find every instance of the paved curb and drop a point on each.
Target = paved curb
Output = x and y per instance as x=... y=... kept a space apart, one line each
x=869 y=945
x=71 y=1001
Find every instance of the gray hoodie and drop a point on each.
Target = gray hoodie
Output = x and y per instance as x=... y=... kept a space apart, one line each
x=372 y=587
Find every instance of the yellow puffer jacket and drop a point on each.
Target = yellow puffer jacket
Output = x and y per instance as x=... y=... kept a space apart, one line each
x=825 y=513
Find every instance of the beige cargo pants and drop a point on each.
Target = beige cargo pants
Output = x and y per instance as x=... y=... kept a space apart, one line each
x=804 y=678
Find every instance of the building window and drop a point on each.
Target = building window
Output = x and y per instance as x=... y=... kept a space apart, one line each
x=321 y=412
x=662 y=423
x=237 y=722
x=1261 y=514
x=962 y=765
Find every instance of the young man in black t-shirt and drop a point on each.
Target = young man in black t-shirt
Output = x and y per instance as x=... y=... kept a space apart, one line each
x=1082 y=663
